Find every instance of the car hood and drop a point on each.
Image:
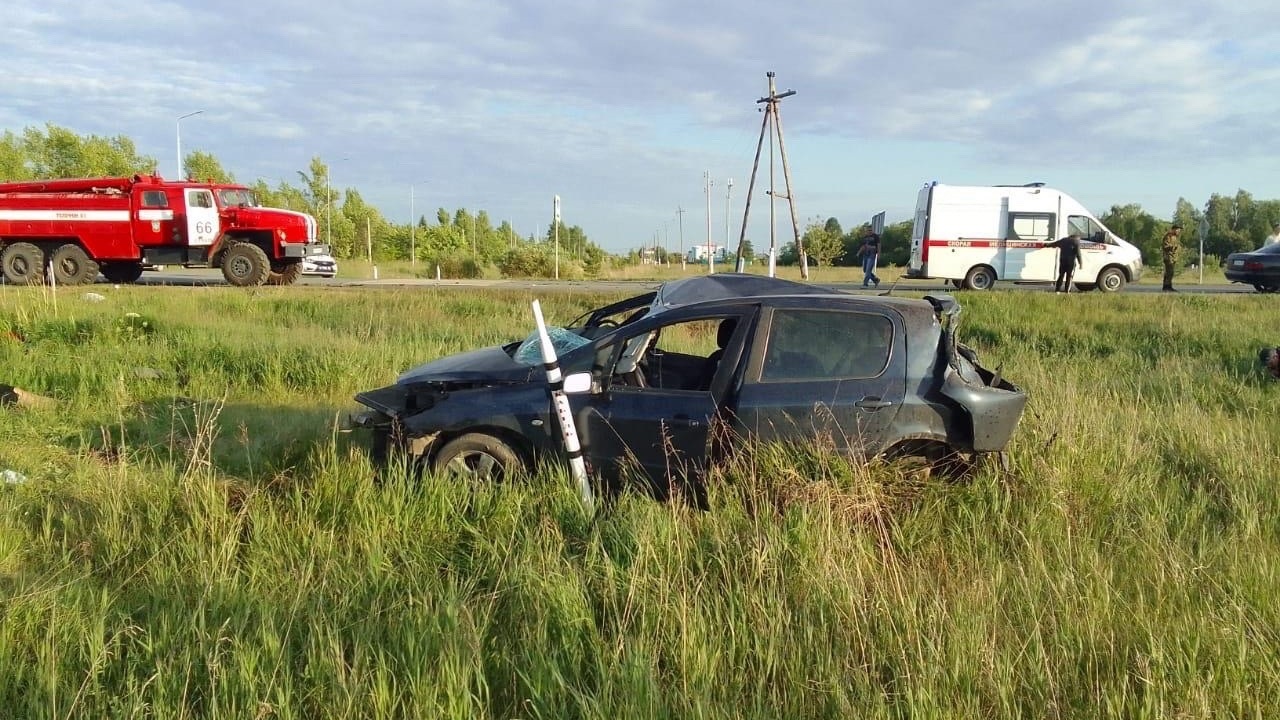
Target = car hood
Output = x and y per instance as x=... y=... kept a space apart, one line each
x=491 y=364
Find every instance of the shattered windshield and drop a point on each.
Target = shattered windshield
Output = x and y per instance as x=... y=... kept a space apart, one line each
x=530 y=350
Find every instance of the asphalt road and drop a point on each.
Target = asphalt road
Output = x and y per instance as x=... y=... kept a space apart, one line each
x=204 y=277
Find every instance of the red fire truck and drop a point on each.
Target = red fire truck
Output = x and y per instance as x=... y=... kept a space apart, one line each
x=75 y=229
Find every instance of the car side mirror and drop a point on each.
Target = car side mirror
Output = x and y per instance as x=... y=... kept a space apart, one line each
x=577 y=383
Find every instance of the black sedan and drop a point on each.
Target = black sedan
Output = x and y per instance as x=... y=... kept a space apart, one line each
x=1260 y=268
x=658 y=382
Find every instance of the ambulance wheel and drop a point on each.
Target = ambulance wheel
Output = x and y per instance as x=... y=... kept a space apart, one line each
x=121 y=272
x=284 y=274
x=1111 y=280
x=477 y=456
x=22 y=264
x=980 y=278
x=73 y=266
x=245 y=265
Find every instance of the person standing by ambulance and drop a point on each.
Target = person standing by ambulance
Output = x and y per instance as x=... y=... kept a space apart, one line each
x=1170 y=247
x=870 y=254
x=1069 y=258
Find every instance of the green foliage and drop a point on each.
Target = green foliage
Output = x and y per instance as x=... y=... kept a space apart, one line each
x=822 y=241
x=57 y=152
x=205 y=166
x=527 y=261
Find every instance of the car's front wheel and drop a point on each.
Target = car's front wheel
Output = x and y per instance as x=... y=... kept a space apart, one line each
x=1111 y=280
x=478 y=456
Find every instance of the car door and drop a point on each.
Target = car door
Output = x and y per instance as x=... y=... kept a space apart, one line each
x=653 y=421
x=1093 y=246
x=202 y=217
x=827 y=375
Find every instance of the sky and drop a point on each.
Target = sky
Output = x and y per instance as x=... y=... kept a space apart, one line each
x=620 y=108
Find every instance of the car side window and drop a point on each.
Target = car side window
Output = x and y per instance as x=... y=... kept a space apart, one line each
x=154 y=199
x=826 y=345
x=682 y=355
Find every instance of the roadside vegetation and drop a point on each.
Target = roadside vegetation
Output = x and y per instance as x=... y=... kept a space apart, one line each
x=478 y=242
x=186 y=534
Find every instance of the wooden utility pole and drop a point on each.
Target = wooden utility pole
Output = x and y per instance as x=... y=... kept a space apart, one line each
x=773 y=121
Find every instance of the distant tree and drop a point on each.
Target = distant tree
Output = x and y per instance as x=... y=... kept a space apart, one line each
x=204 y=166
x=833 y=226
x=821 y=243
x=57 y=152
x=895 y=244
x=13 y=158
x=748 y=252
x=1137 y=226
x=1229 y=219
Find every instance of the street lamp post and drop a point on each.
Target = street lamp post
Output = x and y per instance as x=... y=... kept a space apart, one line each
x=711 y=262
x=178 y=136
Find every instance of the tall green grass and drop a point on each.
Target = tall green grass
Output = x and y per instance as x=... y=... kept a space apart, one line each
x=195 y=539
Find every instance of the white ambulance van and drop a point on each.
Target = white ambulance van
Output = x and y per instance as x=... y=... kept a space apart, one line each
x=976 y=235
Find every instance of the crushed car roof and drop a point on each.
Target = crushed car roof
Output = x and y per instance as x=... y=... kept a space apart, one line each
x=723 y=286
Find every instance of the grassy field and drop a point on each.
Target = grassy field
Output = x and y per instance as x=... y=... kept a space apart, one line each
x=194 y=538
x=361 y=270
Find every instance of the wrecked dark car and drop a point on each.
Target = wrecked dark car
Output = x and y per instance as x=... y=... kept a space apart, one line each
x=657 y=382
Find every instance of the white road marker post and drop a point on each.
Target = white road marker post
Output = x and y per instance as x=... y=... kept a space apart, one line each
x=560 y=403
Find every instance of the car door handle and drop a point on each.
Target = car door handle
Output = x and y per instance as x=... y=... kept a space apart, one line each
x=872 y=403
x=686 y=421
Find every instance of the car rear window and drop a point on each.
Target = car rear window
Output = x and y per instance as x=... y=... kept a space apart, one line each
x=826 y=345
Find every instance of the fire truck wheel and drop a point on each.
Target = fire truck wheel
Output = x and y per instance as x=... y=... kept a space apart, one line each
x=284 y=274
x=122 y=272
x=73 y=266
x=22 y=264
x=245 y=265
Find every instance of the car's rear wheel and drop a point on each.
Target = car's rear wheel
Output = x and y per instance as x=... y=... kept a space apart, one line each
x=980 y=278
x=1265 y=288
x=477 y=456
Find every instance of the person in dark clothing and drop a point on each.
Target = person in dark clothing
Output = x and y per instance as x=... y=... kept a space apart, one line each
x=1170 y=246
x=1069 y=258
x=869 y=252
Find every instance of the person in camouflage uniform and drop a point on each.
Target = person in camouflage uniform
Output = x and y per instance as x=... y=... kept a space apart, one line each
x=1170 y=245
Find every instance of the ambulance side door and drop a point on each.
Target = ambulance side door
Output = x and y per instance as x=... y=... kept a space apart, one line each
x=1026 y=256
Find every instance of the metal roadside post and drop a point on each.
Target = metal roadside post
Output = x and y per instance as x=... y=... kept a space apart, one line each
x=564 y=416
